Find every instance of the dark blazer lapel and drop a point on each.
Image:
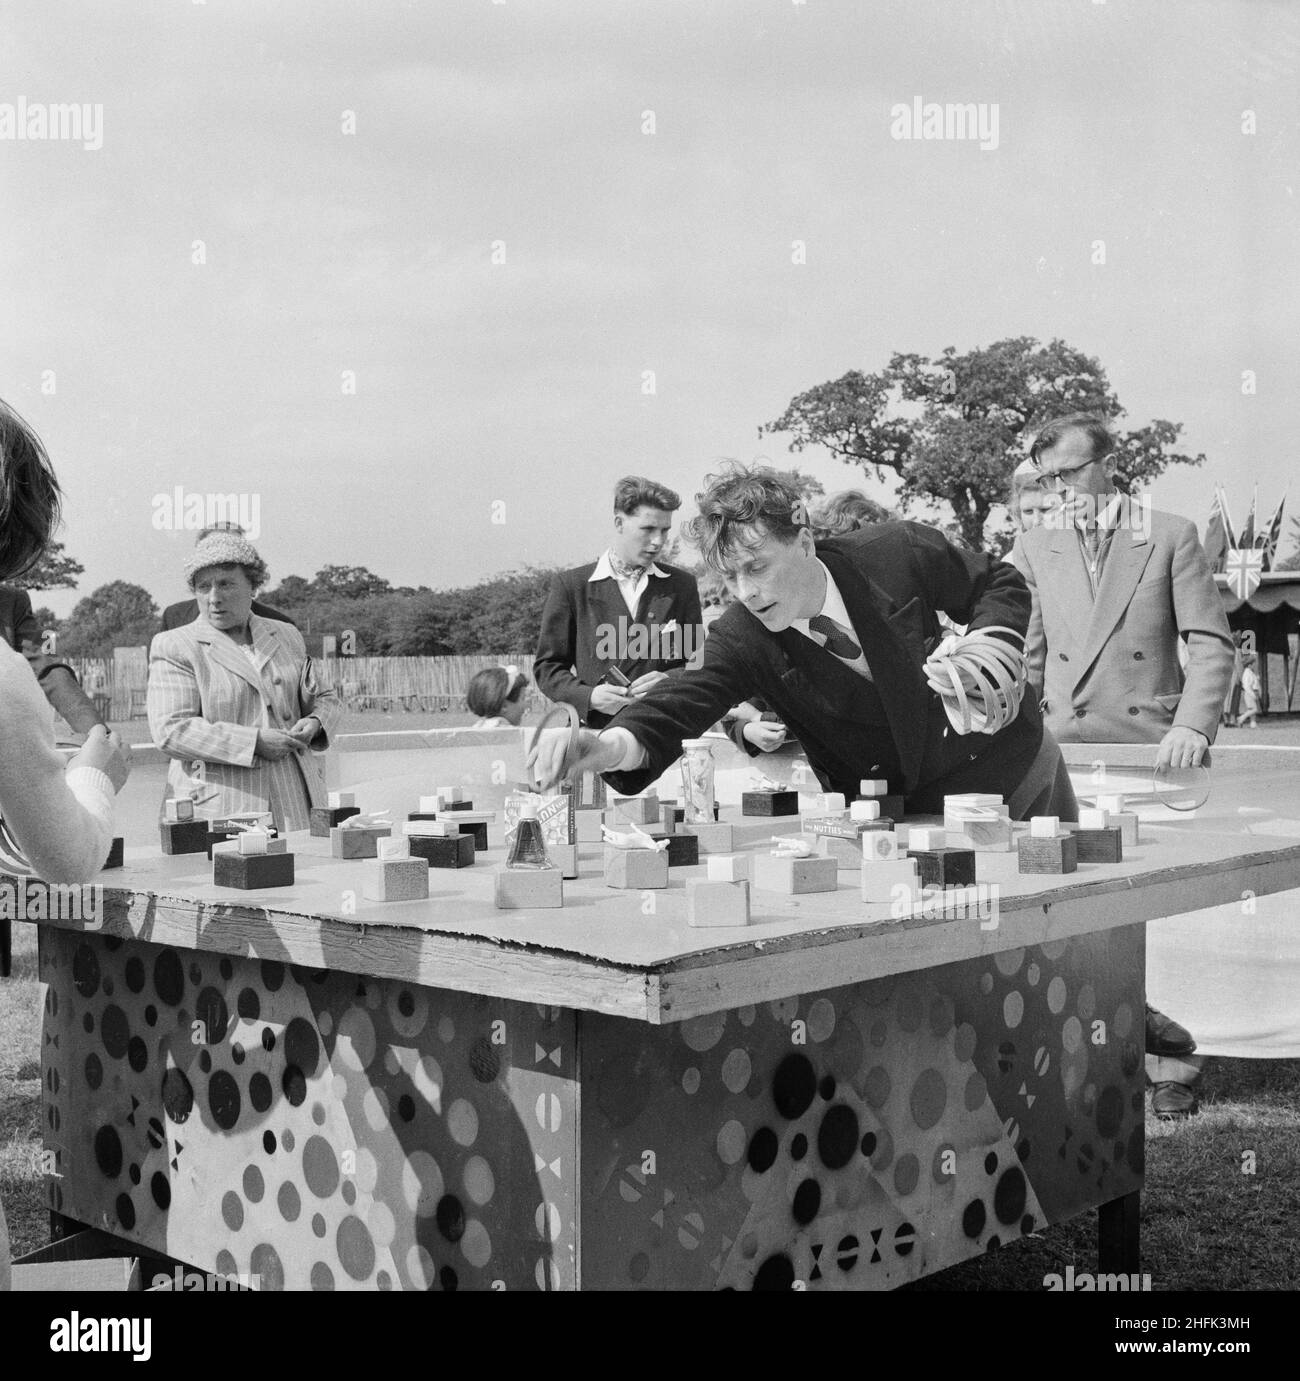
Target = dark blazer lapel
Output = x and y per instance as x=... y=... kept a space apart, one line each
x=897 y=675
x=605 y=605
x=1130 y=550
x=830 y=686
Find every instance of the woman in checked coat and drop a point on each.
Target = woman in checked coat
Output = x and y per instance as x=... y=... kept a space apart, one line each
x=234 y=699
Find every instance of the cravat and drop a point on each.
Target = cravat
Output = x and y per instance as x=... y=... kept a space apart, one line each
x=837 y=640
x=623 y=571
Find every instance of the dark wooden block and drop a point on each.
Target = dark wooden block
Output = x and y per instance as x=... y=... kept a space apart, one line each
x=1099 y=846
x=250 y=872
x=477 y=831
x=1058 y=854
x=683 y=849
x=945 y=867
x=184 y=836
x=890 y=806
x=326 y=818
x=115 y=857
x=770 y=803
x=443 y=851
x=457 y=805
x=422 y=815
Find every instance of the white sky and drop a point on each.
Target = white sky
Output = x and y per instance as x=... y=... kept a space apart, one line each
x=625 y=252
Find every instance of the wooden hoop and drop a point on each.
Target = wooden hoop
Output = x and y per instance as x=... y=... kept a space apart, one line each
x=563 y=710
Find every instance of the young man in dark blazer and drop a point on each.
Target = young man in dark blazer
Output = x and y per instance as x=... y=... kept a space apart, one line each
x=613 y=629
x=834 y=636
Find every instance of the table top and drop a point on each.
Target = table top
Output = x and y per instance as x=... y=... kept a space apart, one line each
x=633 y=953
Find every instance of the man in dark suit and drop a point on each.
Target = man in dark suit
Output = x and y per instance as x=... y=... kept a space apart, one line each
x=186 y=611
x=834 y=636
x=614 y=629
x=20 y=630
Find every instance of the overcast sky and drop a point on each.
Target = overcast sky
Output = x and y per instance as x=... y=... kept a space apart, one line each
x=520 y=383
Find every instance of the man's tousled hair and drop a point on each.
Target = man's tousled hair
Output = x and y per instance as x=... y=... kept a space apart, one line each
x=739 y=507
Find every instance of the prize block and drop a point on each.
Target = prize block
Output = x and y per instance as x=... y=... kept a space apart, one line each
x=667 y=822
x=830 y=803
x=683 y=849
x=335 y=799
x=451 y=807
x=587 y=821
x=565 y=858
x=880 y=846
x=714 y=839
x=880 y=880
x=730 y=867
x=679 y=813
x=423 y=815
x=944 y=867
x=523 y=889
x=251 y=872
x=769 y=803
x=710 y=903
x=443 y=851
x=444 y=829
x=395 y=879
x=865 y=810
x=870 y=787
x=926 y=837
x=891 y=806
x=1058 y=854
x=475 y=829
x=635 y=868
x=640 y=810
x=795 y=876
x=1098 y=846
x=178 y=808
x=847 y=853
x=326 y=818
x=184 y=836
x=220 y=834
x=358 y=843
x=115 y=858
x=1128 y=825
x=984 y=836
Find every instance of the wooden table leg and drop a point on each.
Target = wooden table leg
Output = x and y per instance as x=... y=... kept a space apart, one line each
x=1118 y=1235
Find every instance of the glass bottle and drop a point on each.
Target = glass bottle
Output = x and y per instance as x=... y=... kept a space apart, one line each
x=528 y=848
x=697 y=781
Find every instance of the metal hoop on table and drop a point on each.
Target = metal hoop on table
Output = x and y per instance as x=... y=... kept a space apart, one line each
x=561 y=710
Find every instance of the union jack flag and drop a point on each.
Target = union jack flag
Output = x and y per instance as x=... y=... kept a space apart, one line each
x=1244 y=569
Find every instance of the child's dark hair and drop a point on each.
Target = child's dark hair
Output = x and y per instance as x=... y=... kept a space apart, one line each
x=29 y=496
x=490 y=689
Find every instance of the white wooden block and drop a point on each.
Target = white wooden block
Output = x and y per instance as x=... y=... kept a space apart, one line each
x=795 y=876
x=523 y=889
x=984 y=836
x=180 y=808
x=393 y=848
x=729 y=867
x=442 y=829
x=873 y=786
x=430 y=805
x=926 y=837
x=880 y=846
x=253 y=841
x=714 y=838
x=640 y=810
x=1044 y=826
x=1112 y=803
x=879 y=880
x=586 y=825
x=864 y=810
x=847 y=853
x=565 y=858
x=1128 y=825
x=394 y=879
x=634 y=869
x=710 y=903
x=1093 y=819
x=831 y=803
x=342 y=798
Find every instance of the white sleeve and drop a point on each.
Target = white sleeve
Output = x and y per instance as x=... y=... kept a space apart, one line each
x=61 y=817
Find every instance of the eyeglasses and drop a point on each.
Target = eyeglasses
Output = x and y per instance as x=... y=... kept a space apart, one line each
x=1060 y=479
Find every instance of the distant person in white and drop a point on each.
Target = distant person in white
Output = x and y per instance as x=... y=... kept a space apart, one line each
x=234 y=698
x=59 y=812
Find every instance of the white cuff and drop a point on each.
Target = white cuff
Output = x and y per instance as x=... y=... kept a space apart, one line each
x=633 y=753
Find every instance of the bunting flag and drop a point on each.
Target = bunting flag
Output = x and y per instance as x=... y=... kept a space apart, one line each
x=1248 y=532
x=1273 y=536
x=1216 y=537
x=1245 y=565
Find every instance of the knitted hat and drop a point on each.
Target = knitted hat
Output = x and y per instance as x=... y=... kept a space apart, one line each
x=225 y=549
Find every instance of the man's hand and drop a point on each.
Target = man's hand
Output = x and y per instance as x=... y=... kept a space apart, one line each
x=591 y=753
x=1181 y=747
x=274 y=744
x=610 y=699
x=764 y=735
x=107 y=752
x=645 y=683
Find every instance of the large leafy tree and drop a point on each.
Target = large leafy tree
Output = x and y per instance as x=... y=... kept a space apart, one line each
x=115 y=615
x=353 y=582
x=55 y=570
x=953 y=428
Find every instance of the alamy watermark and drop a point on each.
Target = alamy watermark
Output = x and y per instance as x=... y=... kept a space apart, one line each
x=64 y=122
x=29 y=899
x=954 y=121
x=183 y=510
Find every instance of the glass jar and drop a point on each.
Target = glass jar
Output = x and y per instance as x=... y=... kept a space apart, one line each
x=697 y=781
x=528 y=848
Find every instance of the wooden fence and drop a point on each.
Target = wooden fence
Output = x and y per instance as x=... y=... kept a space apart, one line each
x=364 y=683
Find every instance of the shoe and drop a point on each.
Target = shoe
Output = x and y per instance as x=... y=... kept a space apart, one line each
x=1165 y=1037
x=1171 y=1102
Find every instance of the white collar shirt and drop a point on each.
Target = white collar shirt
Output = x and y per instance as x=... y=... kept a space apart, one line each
x=631 y=590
